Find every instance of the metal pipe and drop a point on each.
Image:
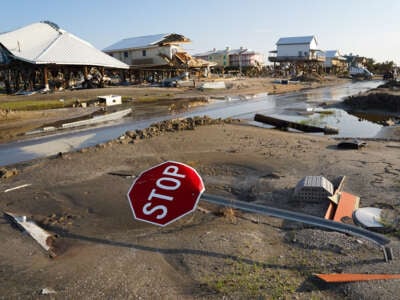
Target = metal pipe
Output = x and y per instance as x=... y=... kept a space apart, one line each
x=376 y=238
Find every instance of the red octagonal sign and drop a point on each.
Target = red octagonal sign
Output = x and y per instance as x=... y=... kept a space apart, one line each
x=165 y=193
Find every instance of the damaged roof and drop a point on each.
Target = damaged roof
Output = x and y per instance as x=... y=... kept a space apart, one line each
x=147 y=41
x=46 y=43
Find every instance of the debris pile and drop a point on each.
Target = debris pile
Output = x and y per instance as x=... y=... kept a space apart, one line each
x=314 y=77
x=7 y=173
x=159 y=128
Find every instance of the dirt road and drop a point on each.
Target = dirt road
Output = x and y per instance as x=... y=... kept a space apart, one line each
x=212 y=253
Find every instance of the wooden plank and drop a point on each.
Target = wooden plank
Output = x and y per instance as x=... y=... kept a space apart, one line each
x=349 y=277
x=41 y=236
x=288 y=124
x=330 y=212
x=348 y=203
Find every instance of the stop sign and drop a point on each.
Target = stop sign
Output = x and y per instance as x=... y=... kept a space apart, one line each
x=165 y=193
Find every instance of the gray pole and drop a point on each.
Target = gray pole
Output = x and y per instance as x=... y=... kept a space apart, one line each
x=379 y=239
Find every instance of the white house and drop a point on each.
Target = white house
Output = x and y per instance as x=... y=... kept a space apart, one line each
x=158 y=56
x=333 y=59
x=155 y=50
x=147 y=51
x=300 y=48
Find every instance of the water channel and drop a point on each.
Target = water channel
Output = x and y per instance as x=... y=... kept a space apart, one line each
x=285 y=106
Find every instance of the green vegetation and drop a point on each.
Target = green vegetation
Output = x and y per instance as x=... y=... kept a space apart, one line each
x=313 y=122
x=379 y=68
x=35 y=104
x=253 y=281
x=148 y=98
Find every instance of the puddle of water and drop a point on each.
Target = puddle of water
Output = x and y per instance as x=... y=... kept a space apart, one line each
x=348 y=125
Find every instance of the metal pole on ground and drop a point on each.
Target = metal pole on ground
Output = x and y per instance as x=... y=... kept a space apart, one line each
x=376 y=238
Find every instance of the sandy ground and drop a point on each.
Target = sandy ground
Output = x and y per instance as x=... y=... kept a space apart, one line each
x=15 y=123
x=213 y=253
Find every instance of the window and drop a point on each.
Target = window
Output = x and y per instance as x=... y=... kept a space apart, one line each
x=144 y=53
x=126 y=54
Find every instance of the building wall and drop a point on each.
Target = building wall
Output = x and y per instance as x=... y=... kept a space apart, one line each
x=146 y=56
x=221 y=58
x=328 y=62
x=335 y=62
x=246 y=59
x=296 y=49
x=293 y=50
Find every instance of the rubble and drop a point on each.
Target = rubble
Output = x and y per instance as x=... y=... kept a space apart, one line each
x=7 y=173
x=159 y=128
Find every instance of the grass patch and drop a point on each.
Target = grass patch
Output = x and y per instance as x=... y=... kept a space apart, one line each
x=312 y=122
x=253 y=281
x=151 y=98
x=35 y=104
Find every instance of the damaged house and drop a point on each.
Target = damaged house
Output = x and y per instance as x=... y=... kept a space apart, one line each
x=156 y=57
x=44 y=56
x=335 y=62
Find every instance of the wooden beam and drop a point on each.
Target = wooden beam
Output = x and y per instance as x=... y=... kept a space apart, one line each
x=286 y=124
x=45 y=78
x=343 y=277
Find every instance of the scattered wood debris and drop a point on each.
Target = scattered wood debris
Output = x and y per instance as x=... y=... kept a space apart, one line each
x=7 y=173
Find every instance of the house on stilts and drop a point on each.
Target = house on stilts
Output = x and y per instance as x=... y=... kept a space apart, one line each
x=44 y=56
x=298 y=55
x=157 y=57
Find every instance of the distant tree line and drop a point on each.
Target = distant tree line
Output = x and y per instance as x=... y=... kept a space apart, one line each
x=380 y=68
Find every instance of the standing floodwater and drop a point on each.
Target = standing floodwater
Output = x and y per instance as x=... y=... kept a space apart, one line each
x=283 y=106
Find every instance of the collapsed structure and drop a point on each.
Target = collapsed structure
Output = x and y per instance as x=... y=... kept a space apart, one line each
x=156 y=57
x=44 y=56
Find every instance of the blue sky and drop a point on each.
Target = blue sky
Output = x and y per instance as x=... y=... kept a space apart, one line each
x=365 y=27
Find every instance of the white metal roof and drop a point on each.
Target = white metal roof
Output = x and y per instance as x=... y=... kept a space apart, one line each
x=226 y=51
x=296 y=40
x=137 y=42
x=44 y=43
x=334 y=54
